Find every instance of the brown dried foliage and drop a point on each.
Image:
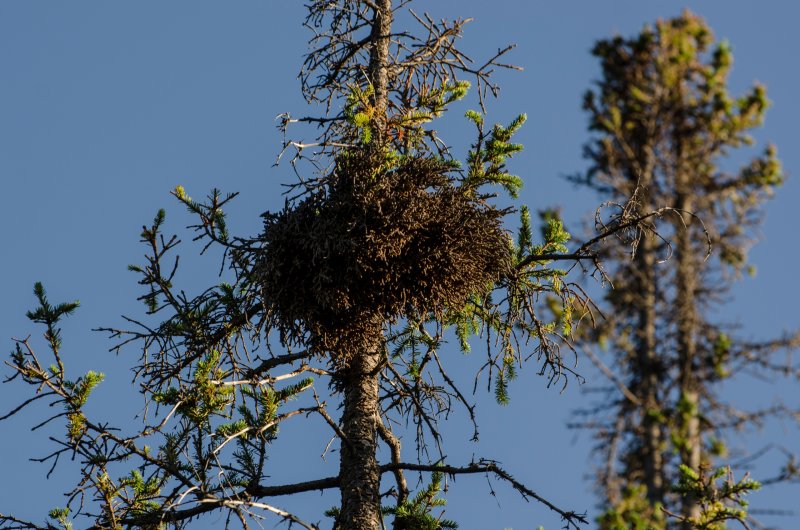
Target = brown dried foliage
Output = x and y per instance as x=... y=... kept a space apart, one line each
x=372 y=246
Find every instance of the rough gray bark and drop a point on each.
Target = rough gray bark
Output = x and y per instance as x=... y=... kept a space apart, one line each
x=359 y=471
x=378 y=72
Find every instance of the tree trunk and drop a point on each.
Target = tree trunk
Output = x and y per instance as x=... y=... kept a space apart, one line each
x=686 y=281
x=378 y=70
x=358 y=470
x=649 y=378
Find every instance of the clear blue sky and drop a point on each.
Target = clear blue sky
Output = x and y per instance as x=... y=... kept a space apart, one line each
x=106 y=106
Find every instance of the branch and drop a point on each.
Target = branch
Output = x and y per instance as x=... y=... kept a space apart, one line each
x=394 y=445
x=9 y=522
x=630 y=396
x=582 y=252
x=26 y=402
x=291 y=489
x=268 y=364
x=570 y=518
x=208 y=505
x=283 y=513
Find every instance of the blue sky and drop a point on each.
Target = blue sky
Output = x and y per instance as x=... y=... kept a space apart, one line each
x=106 y=106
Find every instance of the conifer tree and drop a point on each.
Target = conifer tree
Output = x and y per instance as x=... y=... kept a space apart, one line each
x=389 y=244
x=663 y=124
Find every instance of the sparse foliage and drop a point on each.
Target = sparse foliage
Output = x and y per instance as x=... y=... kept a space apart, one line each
x=664 y=123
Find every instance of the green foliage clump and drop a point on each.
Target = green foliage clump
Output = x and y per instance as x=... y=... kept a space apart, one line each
x=719 y=502
x=61 y=518
x=486 y=160
x=50 y=315
x=633 y=511
x=415 y=514
x=206 y=397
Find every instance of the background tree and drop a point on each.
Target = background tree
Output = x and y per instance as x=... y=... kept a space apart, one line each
x=356 y=281
x=665 y=128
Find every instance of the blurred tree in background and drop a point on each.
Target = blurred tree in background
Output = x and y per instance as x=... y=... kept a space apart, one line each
x=665 y=127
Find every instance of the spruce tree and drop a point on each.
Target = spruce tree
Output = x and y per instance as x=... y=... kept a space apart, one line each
x=386 y=248
x=664 y=126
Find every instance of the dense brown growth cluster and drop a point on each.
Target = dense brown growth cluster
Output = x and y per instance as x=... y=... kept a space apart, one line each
x=375 y=245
